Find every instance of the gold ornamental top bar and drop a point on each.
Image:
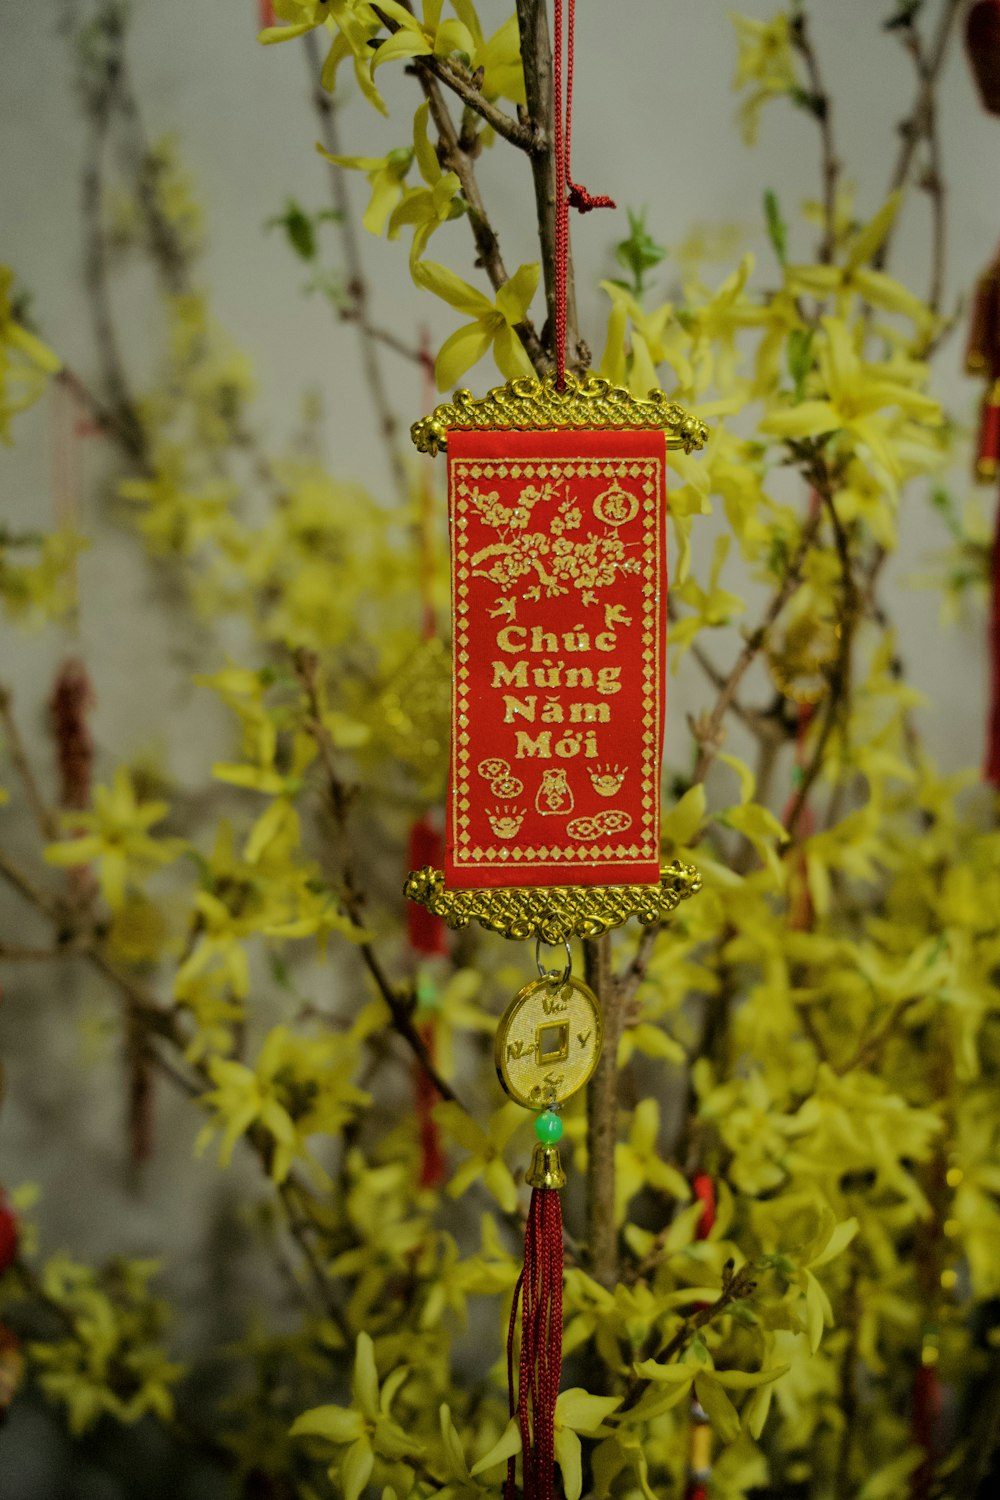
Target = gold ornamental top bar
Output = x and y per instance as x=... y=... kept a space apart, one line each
x=529 y=405
x=554 y=912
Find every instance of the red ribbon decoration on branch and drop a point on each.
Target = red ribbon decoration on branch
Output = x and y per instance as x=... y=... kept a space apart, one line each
x=982 y=357
x=569 y=194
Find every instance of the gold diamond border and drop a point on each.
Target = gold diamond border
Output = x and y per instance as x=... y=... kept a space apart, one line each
x=554 y=912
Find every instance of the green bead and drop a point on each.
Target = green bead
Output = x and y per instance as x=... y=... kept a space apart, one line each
x=549 y=1128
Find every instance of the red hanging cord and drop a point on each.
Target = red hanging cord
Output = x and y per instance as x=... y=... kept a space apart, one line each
x=577 y=196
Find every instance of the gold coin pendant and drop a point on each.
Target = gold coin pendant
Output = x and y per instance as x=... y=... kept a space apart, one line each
x=548 y=1041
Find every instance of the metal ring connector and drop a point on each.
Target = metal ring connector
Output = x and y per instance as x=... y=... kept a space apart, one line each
x=554 y=976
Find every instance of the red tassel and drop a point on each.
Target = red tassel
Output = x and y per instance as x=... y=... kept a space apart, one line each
x=925 y=1412
x=991 y=769
x=984 y=326
x=982 y=40
x=427 y=933
x=539 y=1291
x=10 y=1236
x=704 y=1190
x=71 y=702
x=11 y=1368
x=432 y=1159
x=265 y=14
x=988 y=446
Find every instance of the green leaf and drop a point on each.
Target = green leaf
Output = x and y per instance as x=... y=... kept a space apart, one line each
x=638 y=253
x=800 y=358
x=777 y=229
x=299 y=227
x=906 y=13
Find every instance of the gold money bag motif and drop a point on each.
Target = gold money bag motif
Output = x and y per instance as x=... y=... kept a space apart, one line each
x=554 y=794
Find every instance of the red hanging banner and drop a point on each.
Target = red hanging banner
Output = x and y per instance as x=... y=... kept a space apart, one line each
x=559 y=593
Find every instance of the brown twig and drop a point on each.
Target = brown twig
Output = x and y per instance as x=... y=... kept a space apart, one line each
x=455 y=76
x=400 y=1005
x=709 y=729
x=602 y=1116
x=454 y=156
x=100 y=106
x=837 y=703
x=821 y=108
x=143 y=1009
x=921 y=123
x=735 y=1286
x=536 y=52
x=299 y=1228
x=357 y=285
x=48 y=823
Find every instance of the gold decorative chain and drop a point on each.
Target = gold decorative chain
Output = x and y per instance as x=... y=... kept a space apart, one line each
x=528 y=405
x=554 y=913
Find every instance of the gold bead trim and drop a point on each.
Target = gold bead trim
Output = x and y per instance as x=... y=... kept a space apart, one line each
x=554 y=912
x=530 y=405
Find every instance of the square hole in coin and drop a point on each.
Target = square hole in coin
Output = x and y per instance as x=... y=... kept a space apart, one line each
x=552 y=1042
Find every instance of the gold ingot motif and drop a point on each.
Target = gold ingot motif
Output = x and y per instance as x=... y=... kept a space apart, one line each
x=548 y=1041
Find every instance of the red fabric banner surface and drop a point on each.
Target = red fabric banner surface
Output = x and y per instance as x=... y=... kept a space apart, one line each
x=559 y=599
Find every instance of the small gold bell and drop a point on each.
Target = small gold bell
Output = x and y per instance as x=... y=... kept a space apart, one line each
x=546 y=1170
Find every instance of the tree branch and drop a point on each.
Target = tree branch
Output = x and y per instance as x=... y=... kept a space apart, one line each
x=454 y=76
x=48 y=823
x=920 y=123
x=536 y=53
x=709 y=729
x=735 y=1286
x=602 y=1116
x=822 y=109
x=357 y=285
x=400 y=1008
x=458 y=160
